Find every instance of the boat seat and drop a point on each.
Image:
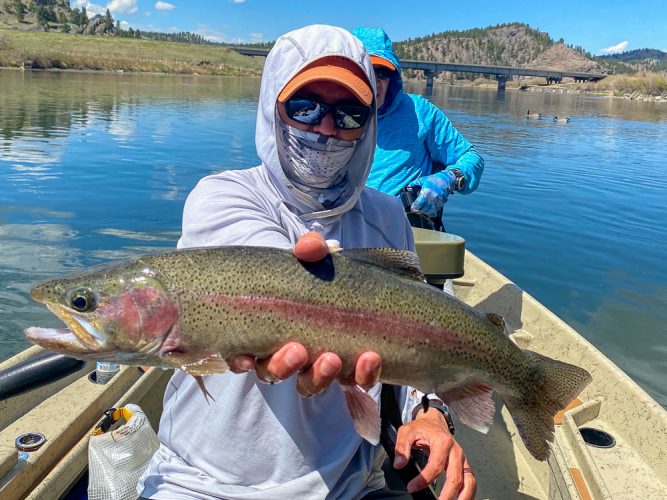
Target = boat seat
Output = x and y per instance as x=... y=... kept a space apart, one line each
x=441 y=255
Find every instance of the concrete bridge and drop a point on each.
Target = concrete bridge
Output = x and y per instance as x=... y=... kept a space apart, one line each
x=501 y=73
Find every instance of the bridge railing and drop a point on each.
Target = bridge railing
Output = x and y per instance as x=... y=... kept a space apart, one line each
x=433 y=67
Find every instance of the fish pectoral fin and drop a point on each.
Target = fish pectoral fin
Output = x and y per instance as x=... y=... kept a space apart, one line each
x=401 y=262
x=472 y=404
x=200 y=382
x=197 y=363
x=364 y=412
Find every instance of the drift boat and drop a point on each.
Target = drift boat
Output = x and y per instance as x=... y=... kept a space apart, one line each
x=611 y=442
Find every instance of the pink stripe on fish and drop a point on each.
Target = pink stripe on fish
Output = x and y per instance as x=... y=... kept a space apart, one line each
x=360 y=321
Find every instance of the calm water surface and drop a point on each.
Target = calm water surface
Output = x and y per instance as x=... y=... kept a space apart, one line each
x=96 y=167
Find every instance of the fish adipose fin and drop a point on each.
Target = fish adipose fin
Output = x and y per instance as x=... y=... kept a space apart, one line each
x=554 y=387
x=472 y=404
x=498 y=321
x=401 y=262
x=364 y=412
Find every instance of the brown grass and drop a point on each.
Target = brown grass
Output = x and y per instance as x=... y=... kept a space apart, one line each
x=642 y=82
x=44 y=50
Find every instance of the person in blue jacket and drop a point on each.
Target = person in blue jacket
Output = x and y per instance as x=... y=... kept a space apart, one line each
x=413 y=134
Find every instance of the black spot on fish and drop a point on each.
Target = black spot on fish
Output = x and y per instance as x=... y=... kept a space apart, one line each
x=322 y=269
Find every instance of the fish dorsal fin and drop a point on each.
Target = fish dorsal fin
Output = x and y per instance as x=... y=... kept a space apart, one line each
x=401 y=262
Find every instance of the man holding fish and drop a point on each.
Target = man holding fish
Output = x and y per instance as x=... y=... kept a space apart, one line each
x=243 y=301
x=316 y=132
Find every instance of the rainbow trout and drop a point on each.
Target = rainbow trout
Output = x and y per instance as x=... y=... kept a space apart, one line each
x=193 y=309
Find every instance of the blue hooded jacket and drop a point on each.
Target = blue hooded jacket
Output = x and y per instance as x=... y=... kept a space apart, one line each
x=413 y=133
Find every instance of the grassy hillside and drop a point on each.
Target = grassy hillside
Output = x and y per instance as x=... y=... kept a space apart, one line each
x=66 y=51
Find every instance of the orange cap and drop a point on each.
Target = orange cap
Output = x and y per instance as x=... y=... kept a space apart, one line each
x=381 y=61
x=331 y=69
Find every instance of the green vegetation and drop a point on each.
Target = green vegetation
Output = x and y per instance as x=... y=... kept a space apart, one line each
x=43 y=50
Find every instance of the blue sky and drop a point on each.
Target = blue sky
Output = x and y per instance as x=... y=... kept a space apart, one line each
x=595 y=25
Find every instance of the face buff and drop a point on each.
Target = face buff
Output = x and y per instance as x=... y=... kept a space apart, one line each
x=313 y=160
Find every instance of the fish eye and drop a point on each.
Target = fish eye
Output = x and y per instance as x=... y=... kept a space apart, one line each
x=82 y=300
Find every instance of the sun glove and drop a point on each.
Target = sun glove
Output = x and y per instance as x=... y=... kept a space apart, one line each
x=434 y=191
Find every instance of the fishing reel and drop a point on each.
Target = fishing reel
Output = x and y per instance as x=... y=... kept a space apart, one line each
x=408 y=195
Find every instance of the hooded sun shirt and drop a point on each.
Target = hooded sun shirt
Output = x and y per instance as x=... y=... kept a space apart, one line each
x=413 y=133
x=264 y=441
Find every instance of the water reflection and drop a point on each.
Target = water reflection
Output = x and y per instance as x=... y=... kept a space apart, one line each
x=486 y=101
x=49 y=105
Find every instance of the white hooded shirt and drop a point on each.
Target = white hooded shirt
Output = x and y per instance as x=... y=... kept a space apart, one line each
x=256 y=440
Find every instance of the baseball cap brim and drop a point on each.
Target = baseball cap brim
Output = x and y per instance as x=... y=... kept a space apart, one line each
x=381 y=61
x=331 y=69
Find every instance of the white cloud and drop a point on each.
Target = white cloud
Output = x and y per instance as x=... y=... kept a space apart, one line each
x=164 y=6
x=123 y=6
x=238 y=1
x=91 y=8
x=256 y=37
x=124 y=25
x=615 y=49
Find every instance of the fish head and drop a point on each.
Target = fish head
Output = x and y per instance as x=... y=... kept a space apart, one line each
x=113 y=313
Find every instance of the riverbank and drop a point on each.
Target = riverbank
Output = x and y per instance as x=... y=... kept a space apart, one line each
x=641 y=86
x=50 y=50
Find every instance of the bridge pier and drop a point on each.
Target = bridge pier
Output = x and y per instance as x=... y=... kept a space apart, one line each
x=502 y=82
x=430 y=74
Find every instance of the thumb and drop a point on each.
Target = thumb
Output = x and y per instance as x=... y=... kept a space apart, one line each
x=417 y=182
x=419 y=203
x=311 y=247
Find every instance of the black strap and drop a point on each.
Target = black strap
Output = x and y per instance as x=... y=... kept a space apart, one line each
x=391 y=421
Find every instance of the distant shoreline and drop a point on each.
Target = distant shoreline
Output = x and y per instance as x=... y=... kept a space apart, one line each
x=121 y=72
x=52 y=51
x=557 y=89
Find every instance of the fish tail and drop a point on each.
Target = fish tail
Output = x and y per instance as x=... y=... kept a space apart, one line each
x=551 y=387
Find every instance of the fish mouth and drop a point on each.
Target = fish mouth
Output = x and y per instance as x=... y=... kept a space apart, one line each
x=80 y=338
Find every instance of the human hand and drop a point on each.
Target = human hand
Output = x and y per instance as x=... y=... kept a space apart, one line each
x=314 y=378
x=434 y=192
x=294 y=358
x=430 y=433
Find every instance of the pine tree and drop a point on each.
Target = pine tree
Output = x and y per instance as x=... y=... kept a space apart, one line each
x=108 y=22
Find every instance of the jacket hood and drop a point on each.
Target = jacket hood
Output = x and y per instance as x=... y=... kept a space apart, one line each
x=377 y=43
x=290 y=54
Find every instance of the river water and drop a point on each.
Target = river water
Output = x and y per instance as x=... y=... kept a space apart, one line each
x=96 y=167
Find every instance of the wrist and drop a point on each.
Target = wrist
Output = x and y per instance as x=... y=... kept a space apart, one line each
x=436 y=409
x=458 y=177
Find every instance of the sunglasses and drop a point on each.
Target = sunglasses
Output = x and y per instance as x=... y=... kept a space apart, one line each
x=348 y=115
x=382 y=73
